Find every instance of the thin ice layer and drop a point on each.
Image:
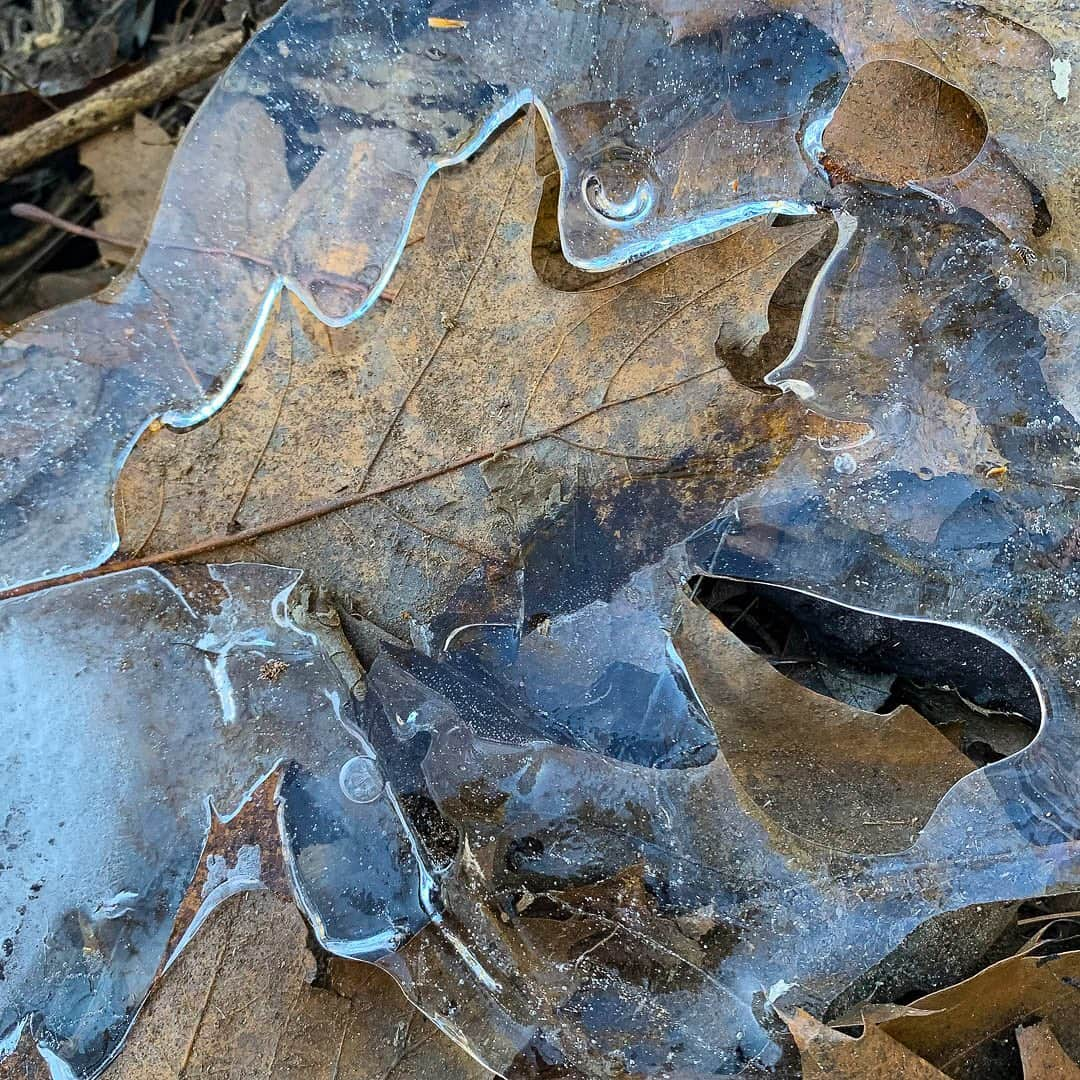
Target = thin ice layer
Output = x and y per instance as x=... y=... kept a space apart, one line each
x=607 y=904
x=303 y=169
x=568 y=887
x=129 y=704
x=579 y=873
x=596 y=907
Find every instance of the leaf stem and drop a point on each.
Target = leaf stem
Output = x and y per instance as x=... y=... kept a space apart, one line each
x=331 y=506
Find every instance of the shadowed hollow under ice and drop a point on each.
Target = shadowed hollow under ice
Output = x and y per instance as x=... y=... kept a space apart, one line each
x=573 y=819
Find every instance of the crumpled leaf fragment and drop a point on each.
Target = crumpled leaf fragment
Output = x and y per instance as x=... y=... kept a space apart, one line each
x=828 y=1053
x=971 y=1015
x=1042 y=1056
x=961 y=1031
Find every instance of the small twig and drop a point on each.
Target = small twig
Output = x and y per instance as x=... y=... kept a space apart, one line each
x=330 y=506
x=32 y=239
x=46 y=245
x=115 y=103
x=29 y=212
x=33 y=91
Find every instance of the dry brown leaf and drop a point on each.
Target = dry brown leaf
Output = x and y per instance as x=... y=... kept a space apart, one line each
x=474 y=350
x=1042 y=1055
x=824 y=770
x=972 y=1015
x=241 y=1002
x=874 y=1056
x=129 y=166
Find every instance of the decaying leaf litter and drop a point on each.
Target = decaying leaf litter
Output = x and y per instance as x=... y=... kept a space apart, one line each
x=54 y=57
x=516 y=494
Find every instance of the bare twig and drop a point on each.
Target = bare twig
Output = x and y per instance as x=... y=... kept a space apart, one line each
x=115 y=103
x=28 y=244
x=29 y=212
x=45 y=245
x=15 y=77
x=330 y=506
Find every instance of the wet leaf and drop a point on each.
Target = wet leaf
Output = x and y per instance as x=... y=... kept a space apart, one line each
x=475 y=352
x=577 y=877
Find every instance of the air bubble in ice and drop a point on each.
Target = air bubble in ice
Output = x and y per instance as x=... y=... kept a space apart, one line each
x=618 y=195
x=360 y=780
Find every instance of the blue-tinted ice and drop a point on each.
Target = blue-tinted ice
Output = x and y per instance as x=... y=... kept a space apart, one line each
x=554 y=824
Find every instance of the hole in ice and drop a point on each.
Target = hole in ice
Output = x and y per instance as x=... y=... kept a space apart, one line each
x=748 y=366
x=846 y=729
x=975 y=693
x=897 y=123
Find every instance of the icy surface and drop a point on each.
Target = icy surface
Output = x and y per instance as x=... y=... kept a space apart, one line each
x=303 y=169
x=132 y=704
x=552 y=819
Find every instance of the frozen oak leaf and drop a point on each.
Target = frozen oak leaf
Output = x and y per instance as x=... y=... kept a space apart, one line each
x=476 y=353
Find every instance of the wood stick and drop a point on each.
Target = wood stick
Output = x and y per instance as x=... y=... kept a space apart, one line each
x=115 y=103
x=29 y=212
